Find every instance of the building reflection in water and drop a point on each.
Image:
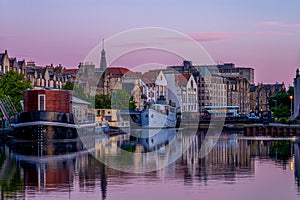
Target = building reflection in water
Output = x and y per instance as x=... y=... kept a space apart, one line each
x=297 y=164
x=143 y=150
x=27 y=170
x=228 y=159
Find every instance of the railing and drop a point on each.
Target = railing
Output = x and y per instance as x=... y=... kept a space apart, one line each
x=8 y=109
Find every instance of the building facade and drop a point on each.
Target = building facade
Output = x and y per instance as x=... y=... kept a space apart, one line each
x=260 y=94
x=45 y=77
x=188 y=92
x=11 y=64
x=229 y=70
x=238 y=93
x=296 y=95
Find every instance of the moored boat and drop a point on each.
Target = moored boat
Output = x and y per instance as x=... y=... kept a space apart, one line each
x=51 y=114
x=102 y=126
x=159 y=114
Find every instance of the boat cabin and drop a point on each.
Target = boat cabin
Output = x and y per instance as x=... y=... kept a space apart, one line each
x=56 y=105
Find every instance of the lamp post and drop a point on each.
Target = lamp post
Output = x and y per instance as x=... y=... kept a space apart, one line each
x=291 y=98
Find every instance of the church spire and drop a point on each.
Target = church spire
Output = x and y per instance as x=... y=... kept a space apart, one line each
x=103 y=59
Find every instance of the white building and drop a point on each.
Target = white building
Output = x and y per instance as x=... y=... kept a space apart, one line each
x=161 y=85
x=182 y=89
x=154 y=85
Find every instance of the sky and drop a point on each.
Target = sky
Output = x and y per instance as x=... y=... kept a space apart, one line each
x=261 y=34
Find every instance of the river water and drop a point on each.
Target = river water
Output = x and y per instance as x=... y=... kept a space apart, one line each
x=235 y=168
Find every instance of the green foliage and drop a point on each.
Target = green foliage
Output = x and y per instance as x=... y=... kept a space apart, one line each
x=281 y=150
x=281 y=111
x=102 y=101
x=290 y=91
x=121 y=100
x=287 y=121
x=132 y=105
x=68 y=86
x=80 y=92
x=280 y=103
x=11 y=179
x=13 y=85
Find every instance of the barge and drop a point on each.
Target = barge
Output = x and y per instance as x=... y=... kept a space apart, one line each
x=51 y=114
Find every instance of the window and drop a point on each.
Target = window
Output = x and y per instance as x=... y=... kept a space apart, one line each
x=41 y=102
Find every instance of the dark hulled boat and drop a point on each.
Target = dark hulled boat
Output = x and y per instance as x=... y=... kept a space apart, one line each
x=52 y=115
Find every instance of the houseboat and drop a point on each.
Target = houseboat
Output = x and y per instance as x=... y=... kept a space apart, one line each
x=51 y=114
x=159 y=114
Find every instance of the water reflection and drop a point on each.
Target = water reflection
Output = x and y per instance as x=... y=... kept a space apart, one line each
x=67 y=170
x=142 y=151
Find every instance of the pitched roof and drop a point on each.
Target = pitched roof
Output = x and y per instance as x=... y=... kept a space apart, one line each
x=20 y=63
x=149 y=77
x=11 y=61
x=182 y=79
x=79 y=101
x=277 y=86
x=128 y=87
x=2 y=55
x=117 y=70
x=67 y=71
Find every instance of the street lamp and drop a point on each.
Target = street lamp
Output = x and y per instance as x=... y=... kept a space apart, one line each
x=291 y=98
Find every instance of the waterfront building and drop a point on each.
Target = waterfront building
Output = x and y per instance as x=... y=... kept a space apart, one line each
x=260 y=94
x=211 y=86
x=238 y=93
x=230 y=70
x=212 y=90
x=112 y=79
x=133 y=86
x=188 y=92
x=161 y=85
x=182 y=90
x=148 y=83
x=296 y=94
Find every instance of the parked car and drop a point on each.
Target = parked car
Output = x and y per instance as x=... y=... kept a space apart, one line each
x=252 y=116
x=243 y=116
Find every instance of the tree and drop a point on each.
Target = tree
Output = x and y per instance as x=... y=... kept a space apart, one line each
x=121 y=100
x=132 y=105
x=281 y=111
x=280 y=103
x=13 y=85
x=68 y=86
x=102 y=101
x=80 y=92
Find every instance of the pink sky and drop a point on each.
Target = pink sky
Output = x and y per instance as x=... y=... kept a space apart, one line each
x=258 y=34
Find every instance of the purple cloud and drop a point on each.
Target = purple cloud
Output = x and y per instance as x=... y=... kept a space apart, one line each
x=214 y=36
x=278 y=24
x=219 y=36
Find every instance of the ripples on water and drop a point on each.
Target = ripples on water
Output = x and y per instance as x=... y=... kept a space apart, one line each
x=235 y=168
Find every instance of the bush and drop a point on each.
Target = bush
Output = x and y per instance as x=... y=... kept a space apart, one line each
x=286 y=121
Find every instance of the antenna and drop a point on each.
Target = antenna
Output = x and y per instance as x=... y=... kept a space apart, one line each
x=102 y=43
